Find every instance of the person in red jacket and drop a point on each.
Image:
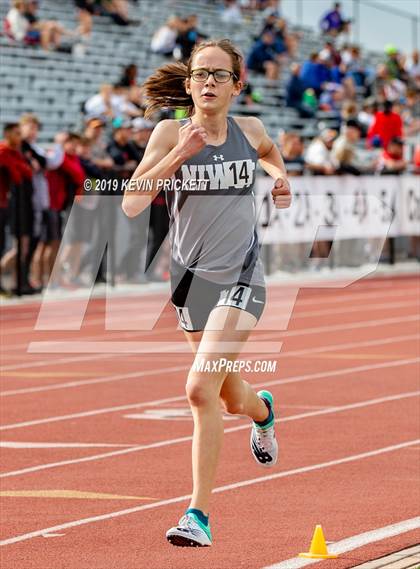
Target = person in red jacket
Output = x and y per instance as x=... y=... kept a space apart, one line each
x=64 y=184
x=386 y=125
x=15 y=176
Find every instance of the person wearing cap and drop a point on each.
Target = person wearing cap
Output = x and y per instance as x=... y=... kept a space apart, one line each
x=141 y=129
x=393 y=64
x=121 y=148
x=318 y=157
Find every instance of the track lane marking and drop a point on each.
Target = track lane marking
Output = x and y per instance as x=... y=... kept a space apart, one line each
x=169 y=442
x=220 y=489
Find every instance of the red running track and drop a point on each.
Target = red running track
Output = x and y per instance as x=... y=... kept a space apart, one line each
x=102 y=467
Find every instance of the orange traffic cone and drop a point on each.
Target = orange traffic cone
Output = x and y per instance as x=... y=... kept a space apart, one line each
x=318 y=549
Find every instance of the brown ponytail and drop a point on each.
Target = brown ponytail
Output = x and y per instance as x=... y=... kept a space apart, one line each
x=166 y=87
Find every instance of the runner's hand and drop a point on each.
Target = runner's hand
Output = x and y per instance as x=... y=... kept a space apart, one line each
x=192 y=139
x=282 y=196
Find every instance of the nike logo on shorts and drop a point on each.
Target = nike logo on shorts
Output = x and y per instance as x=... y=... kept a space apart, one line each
x=257 y=301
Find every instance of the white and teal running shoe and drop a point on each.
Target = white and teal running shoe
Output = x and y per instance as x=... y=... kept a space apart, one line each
x=263 y=441
x=190 y=532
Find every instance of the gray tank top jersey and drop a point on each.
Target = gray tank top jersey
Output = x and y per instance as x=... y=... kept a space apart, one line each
x=213 y=222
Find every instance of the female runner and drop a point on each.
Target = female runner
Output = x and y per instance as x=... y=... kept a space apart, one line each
x=217 y=278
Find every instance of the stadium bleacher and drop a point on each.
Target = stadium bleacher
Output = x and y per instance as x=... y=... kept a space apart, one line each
x=54 y=85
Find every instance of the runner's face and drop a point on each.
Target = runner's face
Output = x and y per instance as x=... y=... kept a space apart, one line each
x=209 y=95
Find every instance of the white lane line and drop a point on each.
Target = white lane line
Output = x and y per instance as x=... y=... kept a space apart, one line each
x=126 y=347
x=280 y=333
x=51 y=361
x=289 y=310
x=350 y=297
x=122 y=377
x=170 y=442
x=16 y=445
x=292 y=379
x=226 y=488
x=287 y=304
x=354 y=542
x=112 y=378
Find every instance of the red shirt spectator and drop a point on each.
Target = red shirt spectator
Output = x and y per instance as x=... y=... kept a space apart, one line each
x=14 y=169
x=386 y=126
x=69 y=175
x=417 y=159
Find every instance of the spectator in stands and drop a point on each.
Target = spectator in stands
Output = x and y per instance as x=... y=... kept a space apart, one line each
x=103 y=216
x=349 y=110
x=231 y=13
x=15 y=188
x=318 y=158
x=276 y=27
x=50 y=30
x=263 y=58
x=292 y=153
x=391 y=161
x=272 y=8
x=110 y=103
x=94 y=132
x=189 y=36
x=18 y=27
x=380 y=81
x=320 y=161
x=366 y=115
x=43 y=221
x=330 y=53
x=332 y=98
x=65 y=183
x=86 y=9
x=80 y=223
x=117 y=10
x=333 y=23
x=344 y=150
x=414 y=70
x=152 y=227
x=122 y=150
x=411 y=113
x=295 y=89
x=386 y=125
x=393 y=63
x=164 y=39
x=416 y=159
x=141 y=132
x=356 y=69
x=315 y=74
x=129 y=76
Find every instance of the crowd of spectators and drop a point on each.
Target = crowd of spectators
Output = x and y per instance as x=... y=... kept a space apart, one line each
x=24 y=25
x=375 y=110
x=39 y=188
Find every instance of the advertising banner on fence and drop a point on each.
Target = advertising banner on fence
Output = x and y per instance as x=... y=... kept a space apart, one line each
x=346 y=207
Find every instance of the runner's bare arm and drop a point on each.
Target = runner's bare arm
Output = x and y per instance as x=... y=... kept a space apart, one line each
x=271 y=161
x=169 y=146
x=160 y=160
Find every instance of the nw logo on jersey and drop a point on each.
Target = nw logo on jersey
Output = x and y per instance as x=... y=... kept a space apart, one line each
x=235 y=174
x=216 y=158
